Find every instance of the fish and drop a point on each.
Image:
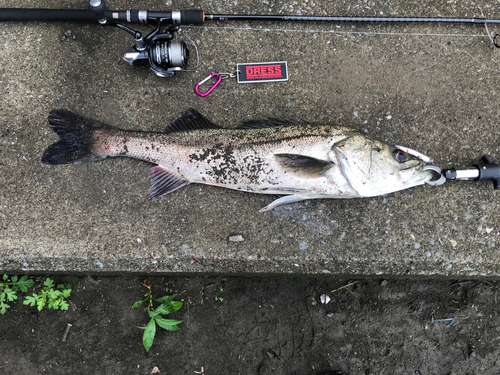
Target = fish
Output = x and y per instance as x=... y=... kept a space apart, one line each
x=298 y=162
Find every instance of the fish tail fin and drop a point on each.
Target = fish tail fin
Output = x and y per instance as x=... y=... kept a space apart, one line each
x=75 y=143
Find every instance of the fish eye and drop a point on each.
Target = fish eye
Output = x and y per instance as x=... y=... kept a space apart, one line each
x=400 y=156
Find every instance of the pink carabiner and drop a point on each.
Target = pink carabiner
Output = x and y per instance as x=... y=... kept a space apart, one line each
x=205 y=80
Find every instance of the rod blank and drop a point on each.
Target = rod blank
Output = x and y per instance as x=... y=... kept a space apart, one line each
x=230 y=17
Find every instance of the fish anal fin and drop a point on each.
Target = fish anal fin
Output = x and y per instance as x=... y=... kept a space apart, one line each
x=303 y=166
x=163 y=182
x=284 y=200
x=190 y=120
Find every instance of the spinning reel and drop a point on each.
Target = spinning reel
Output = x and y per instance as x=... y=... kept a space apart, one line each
x=163 y=55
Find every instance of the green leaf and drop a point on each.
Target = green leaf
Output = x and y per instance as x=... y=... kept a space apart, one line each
x=5 y=277
x=3 y=307
x=14 y=279
x=149 y=334
x=166 y=299
x=40 y=304
x=168 y=324
x=152 y=314
x=11 y=294
x=66 y=293
x=137 y=304
x=53 y=294
x=64 y=305
x=25 y=283
x=49 y=283
x=164 y=310
x=30 y=300
x=177 y=305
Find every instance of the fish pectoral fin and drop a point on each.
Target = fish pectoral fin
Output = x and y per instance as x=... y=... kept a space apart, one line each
x=303 y=166
x=163 y=182
x=190 y=120
x=284 y=200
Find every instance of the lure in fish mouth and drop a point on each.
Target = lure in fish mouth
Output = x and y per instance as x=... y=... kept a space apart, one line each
x=298 y=162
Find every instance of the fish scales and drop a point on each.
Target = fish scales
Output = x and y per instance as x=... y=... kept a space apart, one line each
x=240 y=159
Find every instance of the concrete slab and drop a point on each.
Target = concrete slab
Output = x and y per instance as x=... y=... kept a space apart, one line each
x=430 y=87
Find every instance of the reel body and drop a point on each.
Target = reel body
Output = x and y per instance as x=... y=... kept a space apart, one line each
x=164 y=56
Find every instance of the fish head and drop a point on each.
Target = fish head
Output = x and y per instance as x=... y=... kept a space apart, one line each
x=374 y=168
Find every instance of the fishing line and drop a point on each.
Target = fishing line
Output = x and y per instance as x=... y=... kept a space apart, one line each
x=196 y=49
x=367 y=33
x=489 y=35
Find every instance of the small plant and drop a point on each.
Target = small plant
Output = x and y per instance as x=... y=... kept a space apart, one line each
x=50 y=297
x=9 y=289
x=167 y=306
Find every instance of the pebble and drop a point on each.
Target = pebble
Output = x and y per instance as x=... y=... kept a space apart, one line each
x=237 y=238
x=271 y=354
x=303 y=245
x=324 y=298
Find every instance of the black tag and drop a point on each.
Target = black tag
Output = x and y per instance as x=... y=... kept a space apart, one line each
x=262 y=72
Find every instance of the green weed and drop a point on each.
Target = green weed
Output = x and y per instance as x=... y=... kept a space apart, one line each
x=167 y=306
x=9 y=289
x=50 y=297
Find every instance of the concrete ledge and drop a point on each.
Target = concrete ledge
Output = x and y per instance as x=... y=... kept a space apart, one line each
x=429 y=87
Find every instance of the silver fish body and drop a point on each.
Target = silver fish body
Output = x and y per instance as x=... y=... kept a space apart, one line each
x=300 y=162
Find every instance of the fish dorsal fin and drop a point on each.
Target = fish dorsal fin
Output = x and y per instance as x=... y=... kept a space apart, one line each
x=271 y=122
x=163 y=182
x=303 y=166
x=190 y=120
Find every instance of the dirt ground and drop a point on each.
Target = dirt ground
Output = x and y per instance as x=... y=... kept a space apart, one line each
x=265 y=325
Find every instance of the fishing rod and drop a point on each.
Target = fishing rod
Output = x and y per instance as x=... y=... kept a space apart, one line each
x=165 y=56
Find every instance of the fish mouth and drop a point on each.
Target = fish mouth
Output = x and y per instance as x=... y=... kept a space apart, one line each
x=419 y=179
